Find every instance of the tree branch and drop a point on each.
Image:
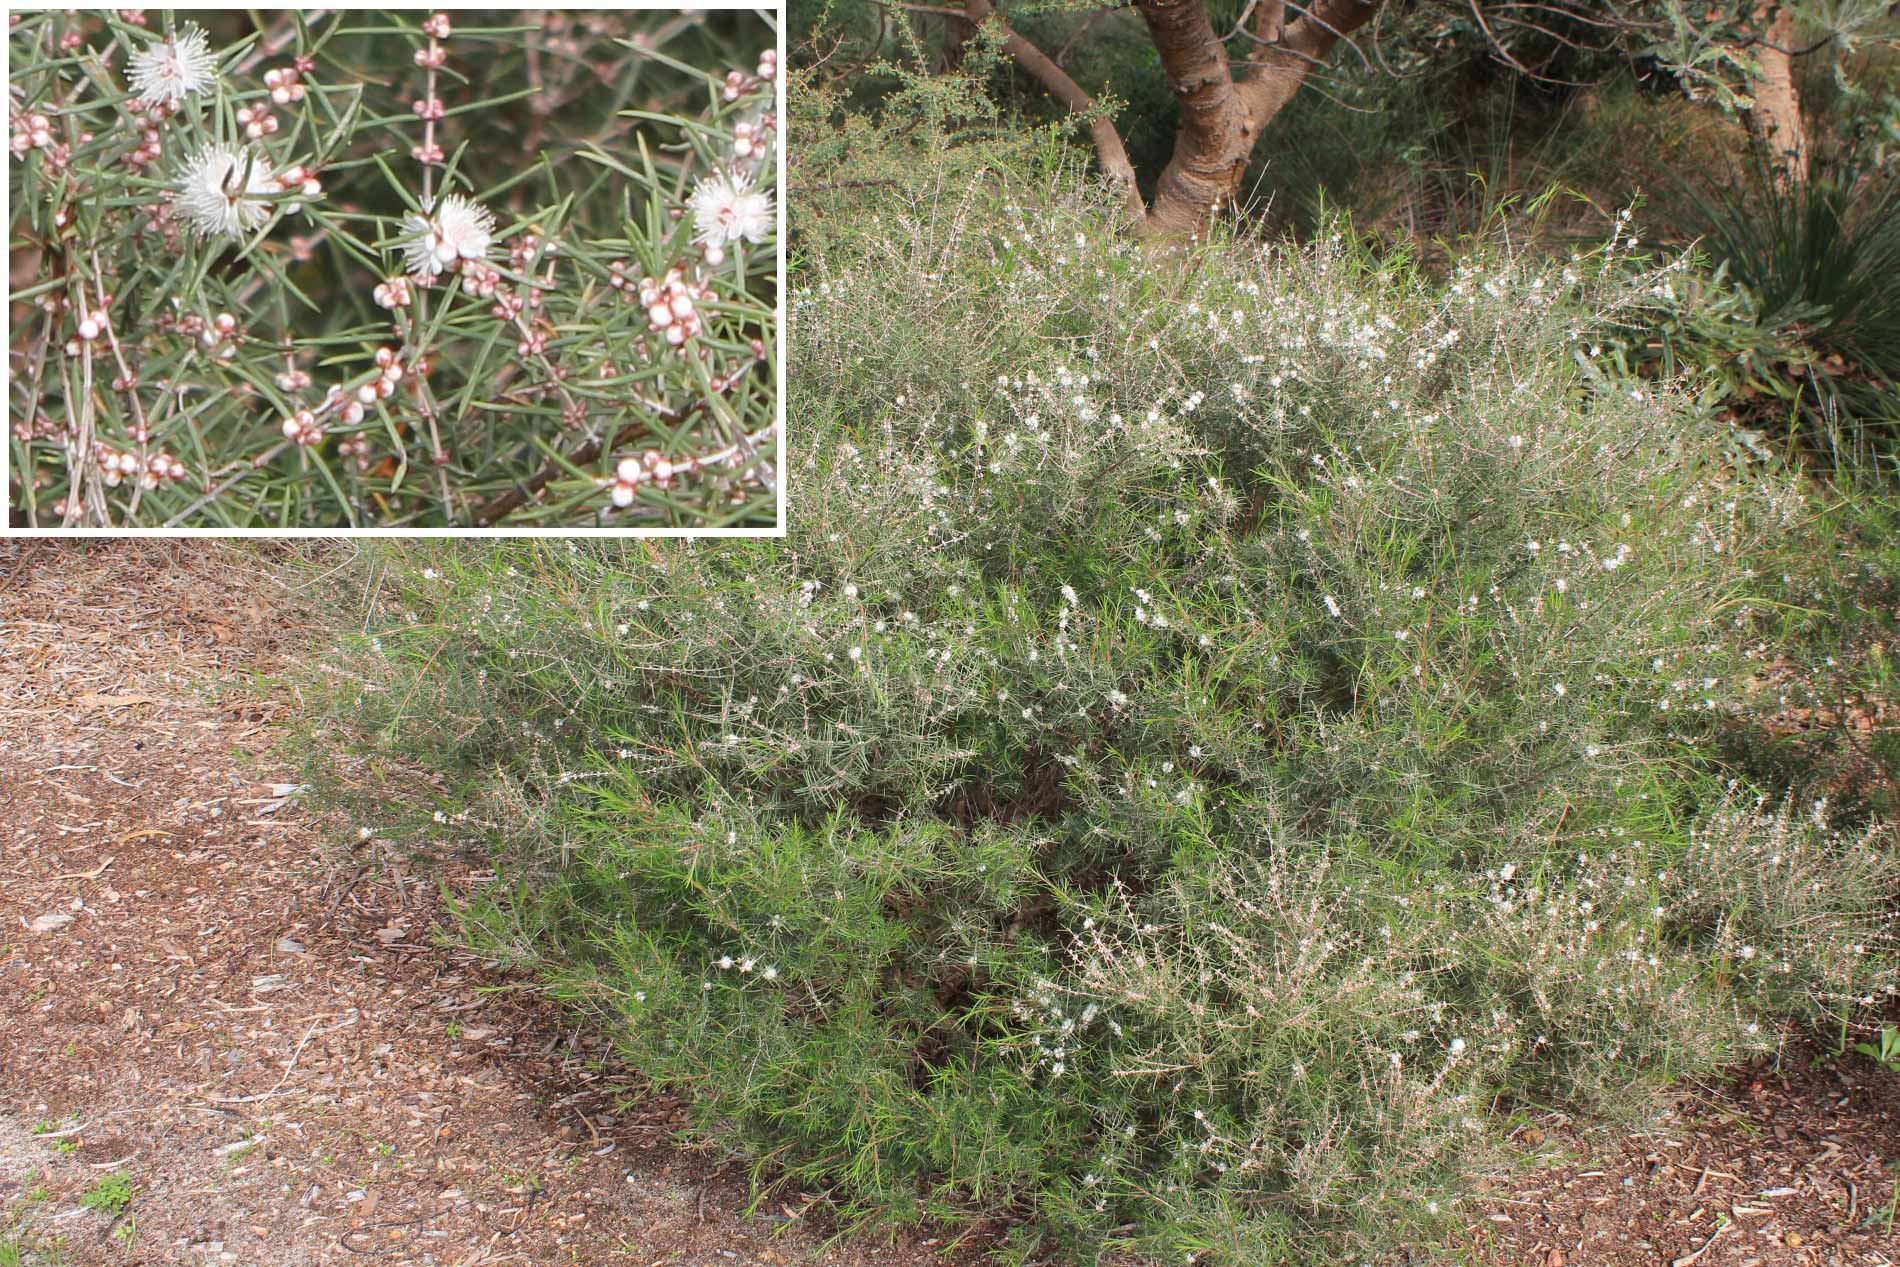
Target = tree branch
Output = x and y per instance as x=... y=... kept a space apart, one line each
x=1279 y=69
x=1327 y=22
x=1109 y=150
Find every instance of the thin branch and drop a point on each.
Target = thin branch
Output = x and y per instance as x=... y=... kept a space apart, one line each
x=1082 y=28
x=1275 y=77
x=1505 y=55
x=1378 y=49
x=949 y=11
x=513 y=500
x=1571 y=14
x=1565 y=40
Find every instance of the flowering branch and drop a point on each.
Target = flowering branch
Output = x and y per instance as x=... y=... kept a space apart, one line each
x=219 y=234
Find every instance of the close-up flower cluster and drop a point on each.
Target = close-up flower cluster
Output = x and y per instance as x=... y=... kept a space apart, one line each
x=308 y=270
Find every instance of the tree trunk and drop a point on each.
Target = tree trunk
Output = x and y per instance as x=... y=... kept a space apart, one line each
x=1775 y=117
x=1216 y=135
x=1222 y=117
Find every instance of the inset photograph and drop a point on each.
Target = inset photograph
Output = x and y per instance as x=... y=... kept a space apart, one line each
x=308 y=271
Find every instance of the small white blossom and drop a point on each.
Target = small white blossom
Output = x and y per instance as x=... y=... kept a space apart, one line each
x=726 y=209
x=164 y=72
x=457 y=230
x=223 y=190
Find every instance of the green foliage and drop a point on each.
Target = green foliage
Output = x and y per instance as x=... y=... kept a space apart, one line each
x=1886 y=1051
x=110 y=1195
x=166 y=376
x=1829 y=658
x=1217 y=734
x=893 y=127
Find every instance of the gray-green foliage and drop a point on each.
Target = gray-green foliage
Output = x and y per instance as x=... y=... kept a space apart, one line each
x=1215 y=737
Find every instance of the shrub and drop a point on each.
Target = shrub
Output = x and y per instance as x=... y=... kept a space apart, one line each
x=376 y=269
x=1817 y=712
x=1213 y=744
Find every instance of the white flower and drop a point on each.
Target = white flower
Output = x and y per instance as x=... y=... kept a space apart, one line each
x=459 y=230
x=727 y=209
x=164 y=72
x=223 y=190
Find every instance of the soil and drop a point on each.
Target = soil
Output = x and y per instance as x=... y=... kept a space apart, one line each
x=253 y=1017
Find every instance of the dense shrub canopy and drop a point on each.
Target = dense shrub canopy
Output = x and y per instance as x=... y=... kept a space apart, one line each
x=1212 y=743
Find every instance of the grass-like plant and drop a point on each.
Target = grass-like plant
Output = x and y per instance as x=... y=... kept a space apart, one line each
x=1802 y=317
x=391 y=269
x=1217 y=740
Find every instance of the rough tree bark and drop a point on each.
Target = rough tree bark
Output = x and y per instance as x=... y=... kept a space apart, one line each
x=1775 y=117
x=1223 y=114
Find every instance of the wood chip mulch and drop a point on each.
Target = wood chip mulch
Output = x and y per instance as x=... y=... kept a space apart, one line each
x=1792 y=1168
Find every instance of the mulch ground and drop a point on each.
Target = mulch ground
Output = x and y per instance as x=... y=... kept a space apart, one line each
x=261 y=1031
x=1798 y=1167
